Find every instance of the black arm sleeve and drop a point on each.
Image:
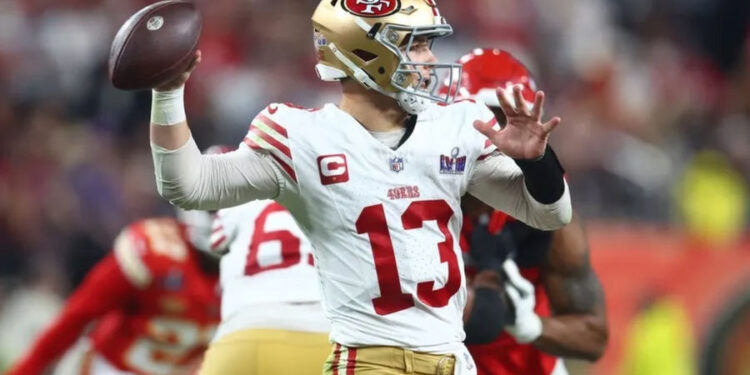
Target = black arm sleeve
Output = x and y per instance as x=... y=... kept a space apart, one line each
x=544 y=177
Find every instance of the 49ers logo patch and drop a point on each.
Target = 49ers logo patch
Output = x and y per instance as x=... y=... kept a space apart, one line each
x=372 y=8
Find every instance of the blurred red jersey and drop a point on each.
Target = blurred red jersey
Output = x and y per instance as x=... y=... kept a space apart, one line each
x=153 y=307
x=505 y=356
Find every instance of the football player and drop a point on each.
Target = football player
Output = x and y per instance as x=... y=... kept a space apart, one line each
x=150 y=307
x=556 y=300
x=375 y=182
x=271 y=303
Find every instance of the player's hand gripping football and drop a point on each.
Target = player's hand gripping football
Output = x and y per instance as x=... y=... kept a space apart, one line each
x=180 y=80
x=524 y=136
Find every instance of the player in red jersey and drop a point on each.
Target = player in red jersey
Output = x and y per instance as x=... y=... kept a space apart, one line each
x=150 y=307
x=554 y=303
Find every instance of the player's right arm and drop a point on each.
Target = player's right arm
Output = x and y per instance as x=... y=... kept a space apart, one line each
x=193 y=181
x=104 y=289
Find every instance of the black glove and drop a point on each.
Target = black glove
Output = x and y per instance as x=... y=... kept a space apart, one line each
x=489 y=251
x=490 y=313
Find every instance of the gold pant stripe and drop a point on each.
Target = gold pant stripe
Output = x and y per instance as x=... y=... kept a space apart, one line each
x=267 y=352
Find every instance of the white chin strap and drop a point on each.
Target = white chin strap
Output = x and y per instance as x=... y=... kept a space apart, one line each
x=410 y=103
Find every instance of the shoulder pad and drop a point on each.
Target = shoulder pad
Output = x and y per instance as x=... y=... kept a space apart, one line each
x=268 y=133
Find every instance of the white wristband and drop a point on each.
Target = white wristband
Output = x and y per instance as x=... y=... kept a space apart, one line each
x=167 y=107
x=528 y=330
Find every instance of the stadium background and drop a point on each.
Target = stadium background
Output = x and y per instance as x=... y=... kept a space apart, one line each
x=655 y=101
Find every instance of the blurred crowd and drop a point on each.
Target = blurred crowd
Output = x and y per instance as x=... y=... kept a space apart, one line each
x=654 y=96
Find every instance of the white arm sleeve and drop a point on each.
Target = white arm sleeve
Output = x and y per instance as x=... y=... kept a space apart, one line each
x=190 y=180
x=499 y=182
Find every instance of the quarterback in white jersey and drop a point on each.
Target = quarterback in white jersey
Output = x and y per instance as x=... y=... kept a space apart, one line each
x=385 y=222
x=271 y=300
x=375 y=182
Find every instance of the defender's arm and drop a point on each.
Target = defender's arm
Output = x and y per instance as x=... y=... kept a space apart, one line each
x=578 y=327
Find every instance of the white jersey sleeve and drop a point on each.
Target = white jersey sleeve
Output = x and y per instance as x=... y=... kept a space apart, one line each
x=208 y=182
x=267 y=136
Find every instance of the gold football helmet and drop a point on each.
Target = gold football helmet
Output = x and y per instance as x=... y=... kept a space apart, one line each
x=369 y=40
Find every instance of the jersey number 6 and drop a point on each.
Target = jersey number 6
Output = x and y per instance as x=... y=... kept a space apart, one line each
x=392 y=299
x=288 y=242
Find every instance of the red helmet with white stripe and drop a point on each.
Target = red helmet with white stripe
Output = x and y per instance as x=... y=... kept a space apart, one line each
x=485 y=70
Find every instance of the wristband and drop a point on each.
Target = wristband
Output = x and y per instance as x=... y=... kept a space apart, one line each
x=544 y=177
x=529 y=329
x=167 y=107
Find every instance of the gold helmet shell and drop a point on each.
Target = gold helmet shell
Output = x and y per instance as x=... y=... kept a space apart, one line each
x=366 y=40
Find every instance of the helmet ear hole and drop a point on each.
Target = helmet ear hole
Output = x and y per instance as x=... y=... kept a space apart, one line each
x=364 y=55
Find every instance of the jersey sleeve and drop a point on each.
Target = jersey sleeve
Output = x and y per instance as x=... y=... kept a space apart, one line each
x=104 y=289
x=190 y=180
x=269 y=134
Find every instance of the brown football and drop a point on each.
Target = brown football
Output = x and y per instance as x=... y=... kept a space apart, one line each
x=154 y=45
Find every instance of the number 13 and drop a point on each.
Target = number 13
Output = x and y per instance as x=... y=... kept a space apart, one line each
x=392 y=299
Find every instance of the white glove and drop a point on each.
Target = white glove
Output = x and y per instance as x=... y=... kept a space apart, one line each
x=528 y=325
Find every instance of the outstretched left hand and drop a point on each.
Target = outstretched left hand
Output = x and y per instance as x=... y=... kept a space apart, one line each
x=524 y=136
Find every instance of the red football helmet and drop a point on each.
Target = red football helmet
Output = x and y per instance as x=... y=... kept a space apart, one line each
x=484 y=70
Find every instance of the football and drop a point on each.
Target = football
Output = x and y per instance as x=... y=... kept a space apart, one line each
x=154 y=45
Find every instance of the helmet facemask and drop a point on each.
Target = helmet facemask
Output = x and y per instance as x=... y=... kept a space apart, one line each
x=417 y=90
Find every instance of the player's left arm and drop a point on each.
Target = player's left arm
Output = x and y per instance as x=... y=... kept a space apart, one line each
x=578 y=326
x=520 y=174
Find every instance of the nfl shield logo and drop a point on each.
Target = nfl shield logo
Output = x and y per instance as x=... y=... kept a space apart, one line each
x=397 y=164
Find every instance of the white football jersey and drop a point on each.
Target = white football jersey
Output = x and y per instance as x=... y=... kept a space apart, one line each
x=384 y=223
x=268 y=279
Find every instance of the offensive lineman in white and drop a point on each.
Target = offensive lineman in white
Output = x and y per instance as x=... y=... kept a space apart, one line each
x=375 y=182
x=271 y=302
